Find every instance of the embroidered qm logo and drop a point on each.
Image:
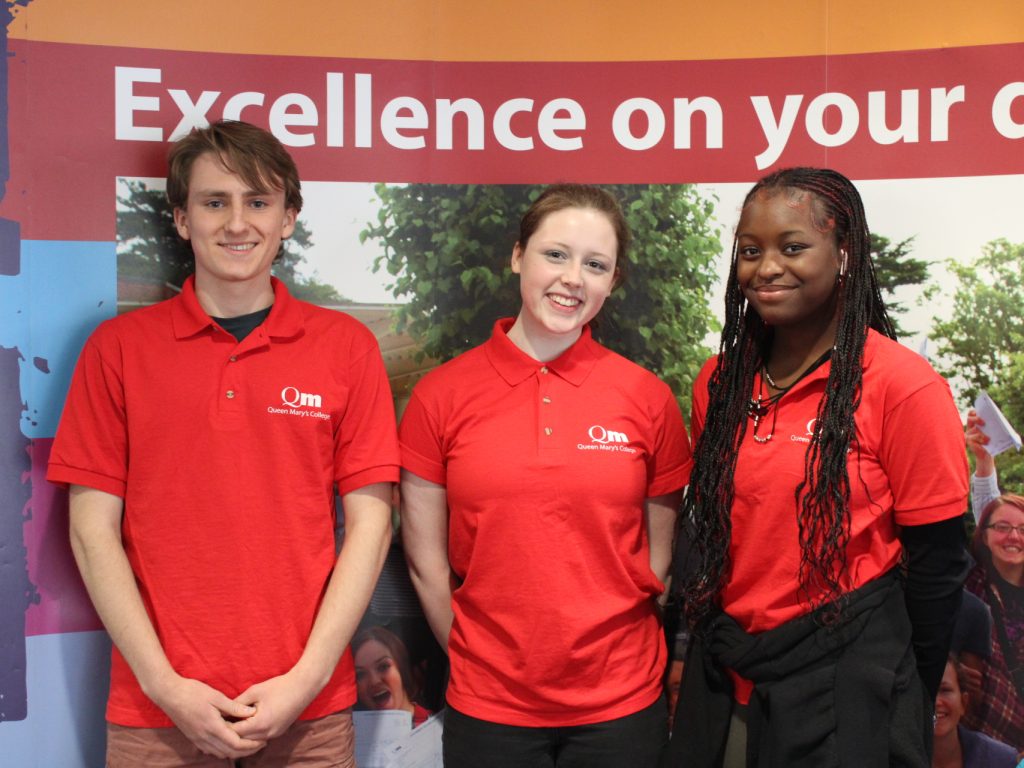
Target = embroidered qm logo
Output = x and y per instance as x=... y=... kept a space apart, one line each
x=292 y=397
x=599 y=434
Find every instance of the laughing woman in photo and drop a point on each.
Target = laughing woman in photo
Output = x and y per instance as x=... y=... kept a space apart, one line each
x=825 y=454
x=384 y=678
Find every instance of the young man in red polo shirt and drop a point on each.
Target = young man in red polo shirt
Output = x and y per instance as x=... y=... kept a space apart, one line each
x=203 y=441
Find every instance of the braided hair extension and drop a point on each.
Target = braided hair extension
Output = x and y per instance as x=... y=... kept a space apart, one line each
x=822 y=498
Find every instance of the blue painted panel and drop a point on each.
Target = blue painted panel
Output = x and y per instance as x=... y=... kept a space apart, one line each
x=64 y=291
x=68 y=678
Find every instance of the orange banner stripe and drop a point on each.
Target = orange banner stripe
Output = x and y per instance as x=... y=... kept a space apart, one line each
x=527 y=30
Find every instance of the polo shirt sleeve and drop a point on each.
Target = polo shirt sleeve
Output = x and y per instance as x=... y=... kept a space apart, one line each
x=91 y=445
x=671 y=462
x=923 y=453
x=366 y=447
x=422 y=442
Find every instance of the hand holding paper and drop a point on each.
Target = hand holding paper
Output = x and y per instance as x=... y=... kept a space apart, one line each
x=1001 y=435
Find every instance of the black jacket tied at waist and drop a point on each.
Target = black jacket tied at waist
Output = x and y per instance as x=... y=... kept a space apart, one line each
x=825 y=696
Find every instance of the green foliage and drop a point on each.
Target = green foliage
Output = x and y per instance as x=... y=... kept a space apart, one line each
x=894 y=267
x=448 y=249
x=148 y=246
x=1008 y=393
x=981 y=343
x=985 y=327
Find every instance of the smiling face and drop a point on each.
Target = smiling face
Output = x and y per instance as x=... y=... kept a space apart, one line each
x=566 y=271
x=950 y=704
x=1007 y=548
x=787 y=266
x=378 y=681
x=235 y=231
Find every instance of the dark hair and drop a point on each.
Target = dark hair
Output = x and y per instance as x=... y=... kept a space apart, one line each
x=822 y=497
x=253 y=153
x=557 y=197
x=979 y=548
x=396 y=648
x=958 y=667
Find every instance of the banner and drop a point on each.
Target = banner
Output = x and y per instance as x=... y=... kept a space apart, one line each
x=679 y=104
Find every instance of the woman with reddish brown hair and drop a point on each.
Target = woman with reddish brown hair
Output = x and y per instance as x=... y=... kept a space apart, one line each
x=541 y=474
x=998 y=579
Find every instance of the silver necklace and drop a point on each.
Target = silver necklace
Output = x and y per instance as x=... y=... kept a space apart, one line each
x=770 y=380
x=760 y=407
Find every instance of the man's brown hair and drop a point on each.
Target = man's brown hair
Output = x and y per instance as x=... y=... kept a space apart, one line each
x=253 y=153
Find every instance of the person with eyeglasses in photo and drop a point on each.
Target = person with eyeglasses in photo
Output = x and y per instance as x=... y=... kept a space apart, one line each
x=998 y=579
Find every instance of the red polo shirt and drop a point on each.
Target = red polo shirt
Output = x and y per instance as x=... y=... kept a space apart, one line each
x=910 y=469
x=546 y=467
x=227 y=455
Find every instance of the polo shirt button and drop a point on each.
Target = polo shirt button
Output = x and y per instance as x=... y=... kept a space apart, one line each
x=543 y=369
x=230 y=393
x=233 y=359
x=548 y=430
x=546 y=399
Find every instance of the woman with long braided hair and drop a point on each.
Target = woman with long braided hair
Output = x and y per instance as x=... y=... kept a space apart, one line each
x=825 y=454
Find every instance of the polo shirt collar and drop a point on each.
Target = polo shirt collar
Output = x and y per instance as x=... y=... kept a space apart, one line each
x=515 y=366
x=189 y=318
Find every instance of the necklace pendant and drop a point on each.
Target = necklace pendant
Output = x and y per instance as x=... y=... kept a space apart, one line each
x=758 y=411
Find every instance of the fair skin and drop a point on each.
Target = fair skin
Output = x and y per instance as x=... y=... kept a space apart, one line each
x=787 y=268
x=950 y=706
x=235 y=233
x=280 y=700
x=196 y=708
x=1007 y=548
x=378 y=680
x=984 y=462
x=268 y=708
x=425 y=543
x=660 y=519
x=567 y=269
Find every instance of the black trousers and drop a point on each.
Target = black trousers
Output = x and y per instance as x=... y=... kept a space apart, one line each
x=633 y=741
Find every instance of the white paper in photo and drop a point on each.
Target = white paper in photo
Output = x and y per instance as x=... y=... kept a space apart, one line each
x=376 y=731
x=1001 y=434
x=421 y=748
